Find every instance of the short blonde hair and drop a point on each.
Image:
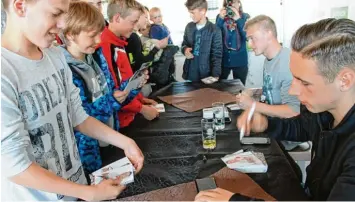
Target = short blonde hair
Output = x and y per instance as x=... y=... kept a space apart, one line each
x=154 y=10
x=264 y=22
x=122 y=7
x=83 y=16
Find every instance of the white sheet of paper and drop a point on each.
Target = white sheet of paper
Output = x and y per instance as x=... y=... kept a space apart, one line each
x=246 y=162
x=113 y=170
x=160 y=107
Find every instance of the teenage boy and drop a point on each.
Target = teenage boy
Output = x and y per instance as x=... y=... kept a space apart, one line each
x=82 y=32
x=202 y=44
x=40 y=107
x=123 y=16
x=262 y=35
x=323 y=69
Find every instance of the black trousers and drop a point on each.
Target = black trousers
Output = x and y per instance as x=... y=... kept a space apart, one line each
x=238 y=73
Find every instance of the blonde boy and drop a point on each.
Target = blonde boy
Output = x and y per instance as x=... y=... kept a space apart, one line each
x=158 y=30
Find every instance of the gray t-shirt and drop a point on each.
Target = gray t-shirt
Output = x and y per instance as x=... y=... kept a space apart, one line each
x=277 y=79
x=39 y=108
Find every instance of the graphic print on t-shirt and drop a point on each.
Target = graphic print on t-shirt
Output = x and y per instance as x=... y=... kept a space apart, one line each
x=54 y=140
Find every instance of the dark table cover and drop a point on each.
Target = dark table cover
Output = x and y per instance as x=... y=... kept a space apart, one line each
x=172 y=147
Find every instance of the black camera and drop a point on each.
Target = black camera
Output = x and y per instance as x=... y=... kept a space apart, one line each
x=230 y=12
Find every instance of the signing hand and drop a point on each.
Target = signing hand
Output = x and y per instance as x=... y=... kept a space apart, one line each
x=244 y=101
x=257 y=124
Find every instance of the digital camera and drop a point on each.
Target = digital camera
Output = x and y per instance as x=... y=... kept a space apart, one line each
x=230 y=12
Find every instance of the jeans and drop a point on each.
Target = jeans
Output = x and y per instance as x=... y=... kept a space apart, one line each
x=238 y=73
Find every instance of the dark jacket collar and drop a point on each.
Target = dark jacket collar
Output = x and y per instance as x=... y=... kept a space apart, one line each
x=346 y=126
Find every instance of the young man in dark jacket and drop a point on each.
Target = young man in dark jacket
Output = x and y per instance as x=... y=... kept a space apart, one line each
x=202 y=44
x=323 y=68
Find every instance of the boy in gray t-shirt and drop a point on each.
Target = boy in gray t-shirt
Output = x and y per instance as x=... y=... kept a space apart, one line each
x=39 y=108
x=277 y=78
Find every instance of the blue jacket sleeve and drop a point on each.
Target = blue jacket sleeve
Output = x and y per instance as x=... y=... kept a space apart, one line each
x=185 y=44
x=298 y=128
x=156 y=32
x=219 y=22
x=240 y=26
x=102 y=108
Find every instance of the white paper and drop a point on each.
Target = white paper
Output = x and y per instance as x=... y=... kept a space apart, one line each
x=246 y=162
x=113 y=170
x=160 y=107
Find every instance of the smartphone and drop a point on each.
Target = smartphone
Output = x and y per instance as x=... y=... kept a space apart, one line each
x=255 y=140
x=205 y=184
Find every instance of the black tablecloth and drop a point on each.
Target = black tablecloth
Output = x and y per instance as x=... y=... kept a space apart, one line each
x=172 y=147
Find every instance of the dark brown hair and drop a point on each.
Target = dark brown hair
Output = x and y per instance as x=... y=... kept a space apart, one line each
x=329 y=42
x=193 y=4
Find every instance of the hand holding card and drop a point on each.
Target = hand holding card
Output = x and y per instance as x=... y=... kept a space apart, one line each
x=139 y=78
x=160 y=107
x=122 y=168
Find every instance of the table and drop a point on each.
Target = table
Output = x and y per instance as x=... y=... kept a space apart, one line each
x=173 y=151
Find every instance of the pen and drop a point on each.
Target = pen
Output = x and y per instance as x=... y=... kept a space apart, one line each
x=250 y=115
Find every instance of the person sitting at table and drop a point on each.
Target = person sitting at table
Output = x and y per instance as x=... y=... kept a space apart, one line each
x=275 y=100
x=277 y=78
x=323 y=68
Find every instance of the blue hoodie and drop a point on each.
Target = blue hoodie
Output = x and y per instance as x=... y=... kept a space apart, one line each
x=96 y=86
x=234 y=43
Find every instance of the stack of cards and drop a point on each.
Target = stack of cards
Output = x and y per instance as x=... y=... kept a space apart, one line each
x=160 y=108
x=113 y=170
x=209 y=80
x=246 y=162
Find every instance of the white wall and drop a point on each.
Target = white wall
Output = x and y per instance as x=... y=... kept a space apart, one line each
x=325 y=6
x=175 y=16
x=297 y=13
x=300 y=12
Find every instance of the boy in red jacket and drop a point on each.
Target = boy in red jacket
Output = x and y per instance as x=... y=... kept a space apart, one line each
x=123 y=15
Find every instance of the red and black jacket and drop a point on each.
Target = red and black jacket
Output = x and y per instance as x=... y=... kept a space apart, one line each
x=113 y=49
